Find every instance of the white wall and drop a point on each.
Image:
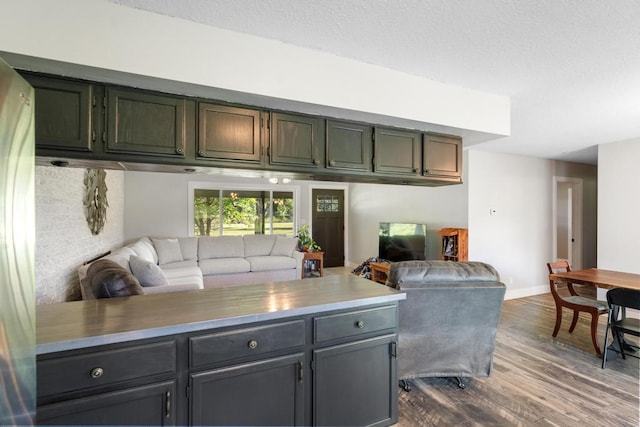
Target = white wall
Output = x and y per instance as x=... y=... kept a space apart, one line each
x=63 y=238
x=438 y=207
x=107 y=36
x=619 y=206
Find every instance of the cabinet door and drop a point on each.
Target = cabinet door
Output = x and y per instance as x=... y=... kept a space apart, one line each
x=145 y=405
x=442 y=156
x=228 y=133
x=63 y=113
x=349 y=146
x=397 y=152
x=296 y=140
x=266 y=393
x=146 y=123
x=355 y=384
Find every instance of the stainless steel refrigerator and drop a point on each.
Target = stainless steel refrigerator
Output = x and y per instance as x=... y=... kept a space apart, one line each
x=17 y=244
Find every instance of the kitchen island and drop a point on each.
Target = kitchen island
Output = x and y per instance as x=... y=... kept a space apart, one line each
x=303 y=352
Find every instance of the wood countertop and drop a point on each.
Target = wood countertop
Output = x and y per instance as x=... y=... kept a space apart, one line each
x=82 y=324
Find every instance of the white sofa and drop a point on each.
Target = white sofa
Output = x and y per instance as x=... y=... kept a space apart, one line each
x=185 y=263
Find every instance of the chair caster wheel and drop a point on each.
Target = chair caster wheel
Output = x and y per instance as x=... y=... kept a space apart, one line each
x=461 y=383
x=404 y=384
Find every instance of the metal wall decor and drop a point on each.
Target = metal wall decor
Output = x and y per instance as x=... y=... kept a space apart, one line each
x=95 y=199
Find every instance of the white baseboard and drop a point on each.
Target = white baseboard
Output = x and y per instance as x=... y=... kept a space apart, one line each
x=526 y=292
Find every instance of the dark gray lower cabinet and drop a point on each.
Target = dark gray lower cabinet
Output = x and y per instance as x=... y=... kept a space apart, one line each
x=151 y=404
x=266 y=393
x=355 y=384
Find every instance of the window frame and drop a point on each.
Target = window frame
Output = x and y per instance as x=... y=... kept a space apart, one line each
x=271 y=188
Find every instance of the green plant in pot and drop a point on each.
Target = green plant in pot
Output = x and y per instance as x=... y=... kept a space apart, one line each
x=305 y=241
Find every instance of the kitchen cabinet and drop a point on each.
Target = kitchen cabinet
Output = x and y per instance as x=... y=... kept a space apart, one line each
x=296 y=141
x=133 y=384
x=349 y=146
x=237 y=361
x=228 y=133
x=141 y=122
x=397 y=152
x=65 y=113
x=442 y=156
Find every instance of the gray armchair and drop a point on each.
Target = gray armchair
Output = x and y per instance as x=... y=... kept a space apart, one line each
x=449 y=320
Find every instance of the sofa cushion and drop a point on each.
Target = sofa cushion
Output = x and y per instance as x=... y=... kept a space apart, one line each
x=168 y=250
x=284 y=246
x=258 y=244
x=184 y=271
x=268 y=263
x=189 y=248
x=211 y=247
x=179 y=264
x=145 y=250
x=147 y=273
x=108 y=279
x=224 y=266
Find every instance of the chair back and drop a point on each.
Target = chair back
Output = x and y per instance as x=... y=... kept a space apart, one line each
x=623 y=297
x=558 y=267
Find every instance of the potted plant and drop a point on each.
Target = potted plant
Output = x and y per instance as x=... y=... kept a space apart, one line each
x=305 y=241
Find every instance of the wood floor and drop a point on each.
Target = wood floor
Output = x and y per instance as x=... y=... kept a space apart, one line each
x=537 y=380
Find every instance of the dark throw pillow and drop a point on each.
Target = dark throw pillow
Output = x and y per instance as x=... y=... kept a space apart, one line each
x=108 y=280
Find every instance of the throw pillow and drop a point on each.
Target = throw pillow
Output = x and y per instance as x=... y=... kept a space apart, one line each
x=147 y=272
x=107 y=279
x=284 y=246
x=168 y=250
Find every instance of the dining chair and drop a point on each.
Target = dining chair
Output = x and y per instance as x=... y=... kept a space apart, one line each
x=619 y=300
x=574 y=302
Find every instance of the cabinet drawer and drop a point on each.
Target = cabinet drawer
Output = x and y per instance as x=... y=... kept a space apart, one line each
x=72 y=373
x=354 y=323
x=226 y=346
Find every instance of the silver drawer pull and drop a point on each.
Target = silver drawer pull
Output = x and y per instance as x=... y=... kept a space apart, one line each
x=97 y=372
x=360 y=324
x=253 y=344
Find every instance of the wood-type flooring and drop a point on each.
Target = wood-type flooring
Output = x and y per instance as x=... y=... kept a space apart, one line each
x=537 y=380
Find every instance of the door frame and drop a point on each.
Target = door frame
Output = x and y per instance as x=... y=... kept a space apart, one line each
x=332 y=186
x=576 y=208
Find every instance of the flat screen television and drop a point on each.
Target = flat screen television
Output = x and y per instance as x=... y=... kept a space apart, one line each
x=402 y=241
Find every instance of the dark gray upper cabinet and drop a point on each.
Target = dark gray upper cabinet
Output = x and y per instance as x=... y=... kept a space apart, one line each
x=146 y=123
x=228 y=133
x=64 y=112
x=442 y=156
x=349 y=146
x=397 y=152
x=296 y=140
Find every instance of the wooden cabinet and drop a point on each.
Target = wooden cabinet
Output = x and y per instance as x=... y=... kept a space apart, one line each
x=296 y=141
x=397 y=152
x=229 y=133
x=442 y=156
x=357 y=364
x=267 y=392
x=64 y=113
x=133 y=384
x=454 y=244
x=312 y=264
x=349 y=146
x=141 y=122
x=150 y=404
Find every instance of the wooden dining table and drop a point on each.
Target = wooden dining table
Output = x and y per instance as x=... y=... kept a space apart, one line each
x=605 y=279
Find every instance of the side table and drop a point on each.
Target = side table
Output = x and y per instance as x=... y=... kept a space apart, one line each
x=379 y=271
x=312 y=264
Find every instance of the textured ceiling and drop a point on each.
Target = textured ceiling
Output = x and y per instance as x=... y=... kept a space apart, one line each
x=571 y=67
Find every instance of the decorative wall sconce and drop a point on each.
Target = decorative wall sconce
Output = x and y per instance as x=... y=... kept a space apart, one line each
x=95 y=199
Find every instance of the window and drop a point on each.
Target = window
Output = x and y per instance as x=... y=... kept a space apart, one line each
x=231 y=212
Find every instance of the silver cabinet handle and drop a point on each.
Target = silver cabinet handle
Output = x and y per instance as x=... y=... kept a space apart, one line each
x=253 y=344
x=360 y=324
x=97 y=372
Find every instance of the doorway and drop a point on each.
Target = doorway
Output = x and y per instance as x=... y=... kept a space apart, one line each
x=327 y=221
x=567 y=220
